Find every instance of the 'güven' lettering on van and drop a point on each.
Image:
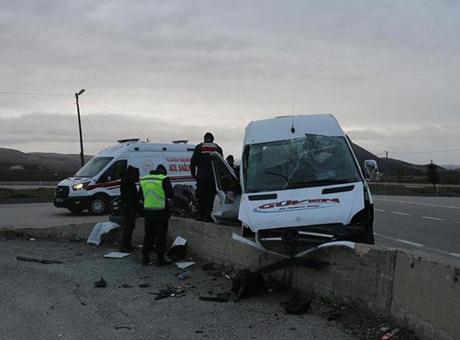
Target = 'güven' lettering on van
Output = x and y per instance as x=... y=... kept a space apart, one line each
x=314 y=203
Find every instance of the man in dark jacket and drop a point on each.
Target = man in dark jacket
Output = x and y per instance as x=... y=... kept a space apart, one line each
x=157 y=190
x=201 y=169
x=129 y=198
x=231 y=161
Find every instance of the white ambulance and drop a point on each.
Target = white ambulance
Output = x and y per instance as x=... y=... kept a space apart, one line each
x=299 y=185
x=98 y=181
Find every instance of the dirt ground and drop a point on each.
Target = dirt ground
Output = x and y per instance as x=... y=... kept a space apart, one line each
x=60 y=301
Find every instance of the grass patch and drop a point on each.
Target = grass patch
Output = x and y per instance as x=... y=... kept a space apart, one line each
x=409 y=190
x=33 y=195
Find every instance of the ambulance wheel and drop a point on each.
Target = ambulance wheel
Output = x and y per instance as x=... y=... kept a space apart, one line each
x=99 y=205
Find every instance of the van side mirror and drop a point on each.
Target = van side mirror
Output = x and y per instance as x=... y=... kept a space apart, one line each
x=371 y=169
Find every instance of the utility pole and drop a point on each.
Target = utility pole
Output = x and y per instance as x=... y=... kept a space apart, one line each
x=82 y=157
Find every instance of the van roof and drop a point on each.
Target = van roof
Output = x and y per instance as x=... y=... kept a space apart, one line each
x=290 y=127
x=139 y=146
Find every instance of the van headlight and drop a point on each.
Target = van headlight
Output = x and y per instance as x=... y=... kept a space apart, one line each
x=80 y=186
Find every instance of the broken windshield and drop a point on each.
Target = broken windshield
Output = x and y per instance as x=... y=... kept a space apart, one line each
x=93 y=167
x=313 y=160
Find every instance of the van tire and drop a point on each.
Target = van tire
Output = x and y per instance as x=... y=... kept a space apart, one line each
x=99 y=205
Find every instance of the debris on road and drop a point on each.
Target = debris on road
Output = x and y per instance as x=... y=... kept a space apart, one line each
x=101 y=283
x=390 y=335
x=184 y=264
x=292 y=262
x=100 y=229
x=220 y=297
x=116 y=255
x=297 y=304
x=178 y=250
x=209 y=266
x=217 y=270
x=333 y=316
x=183 y=275
x=33 y=259
x=125 y=285
x=169 y=292
x=75 y=238
x=122 y=327
x=144 y=285
x=247 y=283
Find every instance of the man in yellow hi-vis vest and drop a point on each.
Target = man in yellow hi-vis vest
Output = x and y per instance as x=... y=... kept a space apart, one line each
x=156 y=189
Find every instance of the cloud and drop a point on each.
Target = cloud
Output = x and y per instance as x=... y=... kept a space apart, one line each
x=181 y=67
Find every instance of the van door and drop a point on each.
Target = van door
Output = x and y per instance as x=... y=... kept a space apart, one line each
x=228 y=190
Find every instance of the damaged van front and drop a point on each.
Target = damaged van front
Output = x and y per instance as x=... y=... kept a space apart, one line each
x=301 y=185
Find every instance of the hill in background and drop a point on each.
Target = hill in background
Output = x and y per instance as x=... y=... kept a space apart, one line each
x=37 y=166
x=395 y=170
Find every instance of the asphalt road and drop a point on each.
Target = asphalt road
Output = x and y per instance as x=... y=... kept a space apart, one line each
x=426 y=224
x=36 y=215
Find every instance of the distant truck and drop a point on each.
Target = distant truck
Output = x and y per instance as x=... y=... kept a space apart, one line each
x=98 y=181
x=301 y=186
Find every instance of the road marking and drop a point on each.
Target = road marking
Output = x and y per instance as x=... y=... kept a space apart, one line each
x=457 y=255
x=417 y=203
x=433 y=218
x=381 y=210
x=415 y=244
x=409 y=243
x=400 y=213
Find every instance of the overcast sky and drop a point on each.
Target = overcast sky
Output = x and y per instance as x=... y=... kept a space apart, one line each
x=388 y=70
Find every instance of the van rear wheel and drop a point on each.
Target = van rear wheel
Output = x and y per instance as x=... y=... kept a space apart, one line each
x=99 y=205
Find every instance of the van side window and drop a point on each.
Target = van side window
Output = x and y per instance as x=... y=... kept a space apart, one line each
x=115 y=172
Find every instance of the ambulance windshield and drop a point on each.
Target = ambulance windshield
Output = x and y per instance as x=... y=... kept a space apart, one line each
x=313 y=160
x=93 y=167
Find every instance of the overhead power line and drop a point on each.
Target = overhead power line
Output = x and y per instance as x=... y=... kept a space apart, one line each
x=33 y=93
x=429 y=151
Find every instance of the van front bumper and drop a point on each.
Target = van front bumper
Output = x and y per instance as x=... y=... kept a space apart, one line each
x=292 y=240
x=72 y=203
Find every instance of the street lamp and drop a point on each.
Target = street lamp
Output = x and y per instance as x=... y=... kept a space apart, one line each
x=77 y=94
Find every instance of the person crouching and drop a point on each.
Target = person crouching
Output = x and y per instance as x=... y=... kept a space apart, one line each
x=156 y=189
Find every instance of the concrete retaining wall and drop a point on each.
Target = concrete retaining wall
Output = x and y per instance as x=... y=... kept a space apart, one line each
x=421 y=293
x=426 y=296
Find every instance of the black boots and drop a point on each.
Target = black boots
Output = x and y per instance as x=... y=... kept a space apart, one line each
x=161 y=261
x=145 y=261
